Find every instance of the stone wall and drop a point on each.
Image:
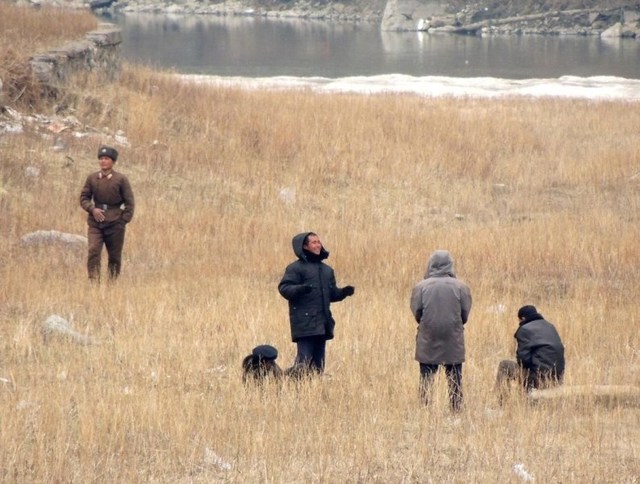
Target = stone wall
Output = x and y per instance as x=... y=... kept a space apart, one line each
x=99 y=51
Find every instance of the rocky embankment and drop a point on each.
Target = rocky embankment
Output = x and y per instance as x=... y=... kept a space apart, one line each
x=607 y=18
x=359 y=11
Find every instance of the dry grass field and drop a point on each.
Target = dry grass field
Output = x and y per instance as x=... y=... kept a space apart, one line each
x=538 y=202
x=25 y=31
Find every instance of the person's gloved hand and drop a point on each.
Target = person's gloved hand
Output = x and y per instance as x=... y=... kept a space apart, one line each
x=348 y=291
x=306 y=289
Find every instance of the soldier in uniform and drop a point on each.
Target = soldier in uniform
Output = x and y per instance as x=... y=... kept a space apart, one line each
x=108 y=200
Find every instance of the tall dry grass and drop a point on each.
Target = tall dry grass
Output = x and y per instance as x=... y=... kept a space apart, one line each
x=537 y=201
x=25 y=31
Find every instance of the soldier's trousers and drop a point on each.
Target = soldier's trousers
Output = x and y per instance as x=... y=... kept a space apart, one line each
x=112 y=237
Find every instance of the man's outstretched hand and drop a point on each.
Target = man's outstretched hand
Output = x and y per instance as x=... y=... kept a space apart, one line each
x=348 y=291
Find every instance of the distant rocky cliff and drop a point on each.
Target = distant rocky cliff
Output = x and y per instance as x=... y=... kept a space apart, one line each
x=347 y=10
x=609 y=18
x=612 y=18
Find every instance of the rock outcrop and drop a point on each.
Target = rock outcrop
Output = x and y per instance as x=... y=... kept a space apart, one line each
x=52 y=237
x=100 y=50
x=609 y=20
x=56 y=325
x=414 y=15
x=347 y=11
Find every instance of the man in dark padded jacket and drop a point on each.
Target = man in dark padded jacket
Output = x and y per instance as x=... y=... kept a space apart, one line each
x=310 y=287
x=539 y=354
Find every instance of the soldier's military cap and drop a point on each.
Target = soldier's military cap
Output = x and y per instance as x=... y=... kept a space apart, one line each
x=108 y=151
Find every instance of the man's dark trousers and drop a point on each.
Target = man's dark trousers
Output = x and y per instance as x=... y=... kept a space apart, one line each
x=112 y=237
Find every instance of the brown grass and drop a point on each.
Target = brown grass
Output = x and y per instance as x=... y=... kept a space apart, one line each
x=538 y=202
x=25 y=31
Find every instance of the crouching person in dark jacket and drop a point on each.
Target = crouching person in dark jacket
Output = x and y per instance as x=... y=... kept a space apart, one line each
x=310 y=287
x=261 y=364
x=539 y=354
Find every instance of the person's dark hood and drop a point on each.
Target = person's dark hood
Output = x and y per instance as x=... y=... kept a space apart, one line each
x=298 y=250
x=440 y=265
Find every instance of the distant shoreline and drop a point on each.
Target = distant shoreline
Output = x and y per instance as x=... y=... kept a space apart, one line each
x=608 y=21
x=332 y=12
x=596 y=88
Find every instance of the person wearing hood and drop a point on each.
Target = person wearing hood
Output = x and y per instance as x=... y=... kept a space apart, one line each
x=309 y=285
x=539 y=354
x=440 y=304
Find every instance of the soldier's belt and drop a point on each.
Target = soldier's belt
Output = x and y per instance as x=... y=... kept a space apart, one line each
x=105 y=206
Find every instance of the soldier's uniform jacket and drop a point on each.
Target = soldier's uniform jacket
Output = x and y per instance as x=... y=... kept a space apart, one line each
x=112 y=193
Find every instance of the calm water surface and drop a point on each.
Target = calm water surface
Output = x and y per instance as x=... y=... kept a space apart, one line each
x=257 y=47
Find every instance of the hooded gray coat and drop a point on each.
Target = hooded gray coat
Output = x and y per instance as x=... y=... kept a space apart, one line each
x=440 y=304
x=309 y=286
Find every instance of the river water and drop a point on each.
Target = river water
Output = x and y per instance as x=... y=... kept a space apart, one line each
x=259 y=52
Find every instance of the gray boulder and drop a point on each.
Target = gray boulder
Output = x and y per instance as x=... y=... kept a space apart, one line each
x=613 y=31
x=57 y=325
x=410 y=15
x=52 y=237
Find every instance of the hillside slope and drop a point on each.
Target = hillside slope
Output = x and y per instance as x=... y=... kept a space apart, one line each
x=577 y=17
x=615 y=18
x=510 y=8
